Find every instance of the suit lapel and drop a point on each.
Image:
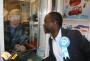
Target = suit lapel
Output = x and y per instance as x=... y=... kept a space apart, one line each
x=64 y=32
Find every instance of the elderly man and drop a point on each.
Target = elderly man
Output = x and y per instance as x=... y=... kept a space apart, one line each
x=13 y=33
x=15 y=36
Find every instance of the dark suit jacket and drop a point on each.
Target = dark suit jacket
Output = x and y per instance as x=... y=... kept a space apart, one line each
x=79 y=48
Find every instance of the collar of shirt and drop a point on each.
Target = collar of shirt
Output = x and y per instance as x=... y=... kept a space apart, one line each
x=12 y=30
x=56 y=47
x=57 y=38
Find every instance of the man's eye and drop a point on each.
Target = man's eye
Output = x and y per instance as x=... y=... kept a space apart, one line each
x=47 y=22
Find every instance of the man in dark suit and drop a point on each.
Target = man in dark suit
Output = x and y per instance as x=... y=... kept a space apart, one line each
x=75 y=46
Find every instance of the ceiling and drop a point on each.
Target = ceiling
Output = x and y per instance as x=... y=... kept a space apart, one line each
x=13 y=4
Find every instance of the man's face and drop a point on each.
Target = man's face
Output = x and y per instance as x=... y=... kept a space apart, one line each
x=48 y=25
x=15 y=20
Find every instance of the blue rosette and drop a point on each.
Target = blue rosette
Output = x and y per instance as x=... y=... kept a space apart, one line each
x=64 y=43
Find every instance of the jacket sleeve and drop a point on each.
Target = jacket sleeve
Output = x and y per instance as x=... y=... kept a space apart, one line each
x=84 y=46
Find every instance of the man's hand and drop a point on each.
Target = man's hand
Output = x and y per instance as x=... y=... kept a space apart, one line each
x=20 y=48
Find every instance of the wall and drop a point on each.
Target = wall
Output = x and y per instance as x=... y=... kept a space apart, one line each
x=1 y=29
x=45 y=7
x=79 y=22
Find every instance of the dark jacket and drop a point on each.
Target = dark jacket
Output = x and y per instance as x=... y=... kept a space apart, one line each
x=79 y=48
x=12 y=38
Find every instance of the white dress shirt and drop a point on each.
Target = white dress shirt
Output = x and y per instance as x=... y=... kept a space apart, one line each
x=56 y=47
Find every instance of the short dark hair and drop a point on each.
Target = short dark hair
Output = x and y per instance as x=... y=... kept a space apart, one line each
x=56 y=16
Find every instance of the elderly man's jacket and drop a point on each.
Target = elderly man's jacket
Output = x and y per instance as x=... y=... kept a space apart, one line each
x=15 y=37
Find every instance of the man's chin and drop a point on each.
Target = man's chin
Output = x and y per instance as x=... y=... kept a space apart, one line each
x=46 y=32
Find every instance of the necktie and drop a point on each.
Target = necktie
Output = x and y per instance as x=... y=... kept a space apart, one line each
x=51 y=55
